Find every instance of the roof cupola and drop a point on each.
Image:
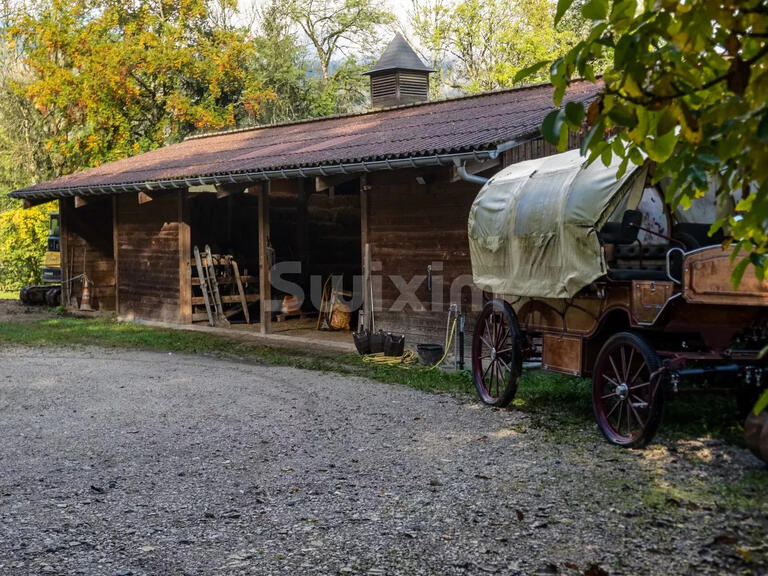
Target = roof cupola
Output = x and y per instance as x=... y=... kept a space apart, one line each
x=400 y=76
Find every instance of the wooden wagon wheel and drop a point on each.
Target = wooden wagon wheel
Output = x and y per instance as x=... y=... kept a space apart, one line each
x=627 y=390
x=496 y=354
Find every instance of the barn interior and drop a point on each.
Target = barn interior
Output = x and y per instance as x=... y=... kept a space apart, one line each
x=313 y=234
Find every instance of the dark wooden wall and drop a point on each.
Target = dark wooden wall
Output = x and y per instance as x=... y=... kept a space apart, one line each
x=152 y=250
x=323 y=234
x=411 y=226
x=87 y=247
x=228 y=225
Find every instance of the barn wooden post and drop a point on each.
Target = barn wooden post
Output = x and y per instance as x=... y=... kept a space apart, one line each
x=185 y=272
x=115 y=250
x=302 y=226
x=64 y=252
x=365 y=253
x=265 y=286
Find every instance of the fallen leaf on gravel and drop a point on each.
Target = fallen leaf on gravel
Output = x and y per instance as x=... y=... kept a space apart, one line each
x=520 y=515
x=147 y=548
x=483 y=437
x=745 y=554
x=482 y=477
x=572 y=565
x=97 y=489
x=725 y=539
x=595 y=570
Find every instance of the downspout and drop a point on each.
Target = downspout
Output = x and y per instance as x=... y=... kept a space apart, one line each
x=461 y=165
x=461 y=170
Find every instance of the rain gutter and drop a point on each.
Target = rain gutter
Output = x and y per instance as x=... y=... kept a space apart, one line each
x=459 y=159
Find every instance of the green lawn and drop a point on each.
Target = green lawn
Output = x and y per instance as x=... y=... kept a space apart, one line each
x=560 y=404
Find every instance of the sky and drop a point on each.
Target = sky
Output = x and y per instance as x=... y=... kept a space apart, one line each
x=399 y=7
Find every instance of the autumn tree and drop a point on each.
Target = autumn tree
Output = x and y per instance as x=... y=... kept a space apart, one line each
x=113 y=79
x=686 y=84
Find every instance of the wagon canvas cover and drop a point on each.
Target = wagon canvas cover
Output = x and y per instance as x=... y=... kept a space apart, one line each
x=533 y=226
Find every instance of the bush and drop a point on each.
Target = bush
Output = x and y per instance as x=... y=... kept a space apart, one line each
x=23 y=242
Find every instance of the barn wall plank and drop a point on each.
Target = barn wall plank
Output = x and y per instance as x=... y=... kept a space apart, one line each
x=88 y=248
x=148 y=242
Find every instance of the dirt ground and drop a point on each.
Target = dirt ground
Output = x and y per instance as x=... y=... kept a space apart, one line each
x=141 y=463
x=15 y=311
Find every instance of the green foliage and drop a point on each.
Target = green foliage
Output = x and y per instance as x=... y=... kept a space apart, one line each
x=686 y=84
x=333 y=25
x=479 y=45
x=23 y=242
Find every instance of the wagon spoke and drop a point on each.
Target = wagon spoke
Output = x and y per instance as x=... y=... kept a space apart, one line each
x=611 y=380
x=504 y=351
x=502 y=361
x=486 y=343
x=618 y=402
x=637 y=374
x=487 y=333
x=485 y=373
x=643 y=385
x=611 y=395
x=618 y=424
x=629 y=420
x=503 y=339
x=639 y=420
x=624 y=369
x=615 y=371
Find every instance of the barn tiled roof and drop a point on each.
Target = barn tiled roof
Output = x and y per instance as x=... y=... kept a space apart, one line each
x=460 y=126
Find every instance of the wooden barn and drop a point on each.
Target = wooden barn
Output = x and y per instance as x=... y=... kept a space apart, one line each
x=378 y=199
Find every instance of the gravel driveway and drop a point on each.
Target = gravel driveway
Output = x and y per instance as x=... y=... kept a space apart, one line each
x=120 y=462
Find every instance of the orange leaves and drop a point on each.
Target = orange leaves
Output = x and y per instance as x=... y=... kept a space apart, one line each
x=124 y=79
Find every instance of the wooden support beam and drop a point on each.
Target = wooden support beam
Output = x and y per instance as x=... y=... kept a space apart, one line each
x=265 y=285
x=80 y=201
x=323 y=183
x=365 y=250
x=144 y=198
x=302 y=226
x=66 y=259
x=221 y=190
x=27 y=204
x=185 y=257
x=115 y=255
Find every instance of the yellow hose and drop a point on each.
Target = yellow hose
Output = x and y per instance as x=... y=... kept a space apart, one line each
x=407 y=359
x=448 y=342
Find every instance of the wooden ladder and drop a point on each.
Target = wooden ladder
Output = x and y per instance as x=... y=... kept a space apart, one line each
x=215 y=275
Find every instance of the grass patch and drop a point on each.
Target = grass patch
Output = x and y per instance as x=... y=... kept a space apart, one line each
x=557 y=403
x=9 y=294
x=745 y=490
x=104 y=332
